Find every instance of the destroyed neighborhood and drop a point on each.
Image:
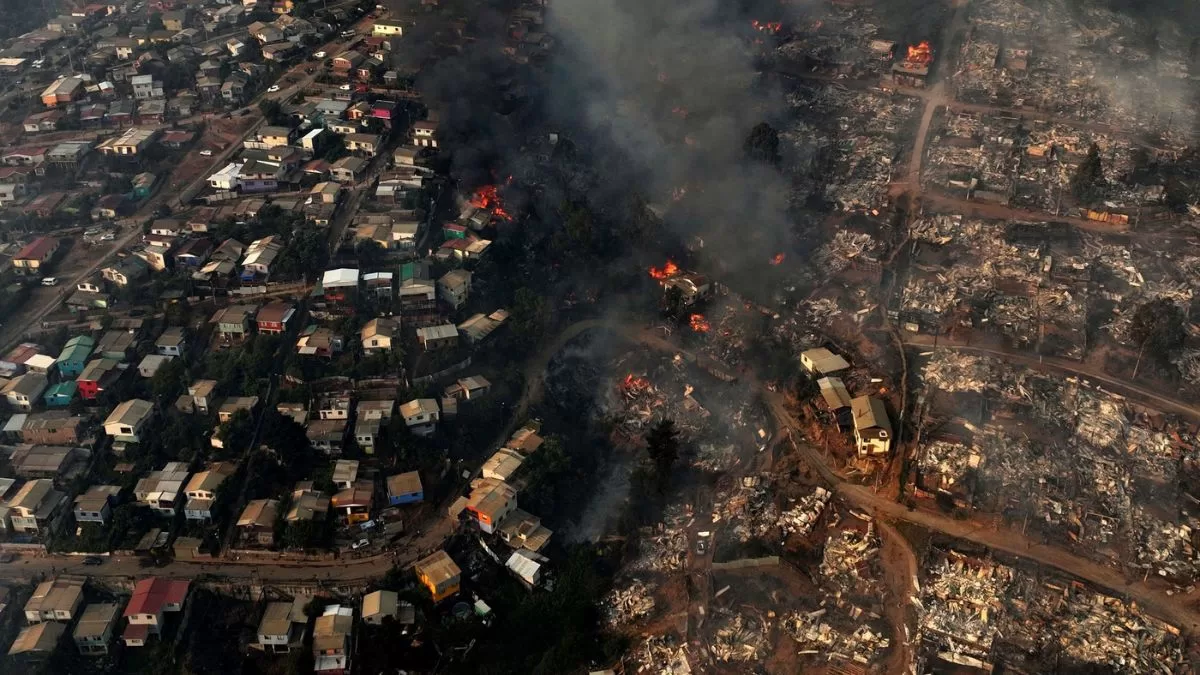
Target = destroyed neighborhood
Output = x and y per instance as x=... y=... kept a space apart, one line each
x=555 y=337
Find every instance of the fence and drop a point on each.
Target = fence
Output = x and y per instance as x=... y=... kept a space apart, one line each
x=465 y=363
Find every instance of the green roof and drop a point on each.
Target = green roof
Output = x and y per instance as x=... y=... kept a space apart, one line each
x=78 y=349
x=67 y=389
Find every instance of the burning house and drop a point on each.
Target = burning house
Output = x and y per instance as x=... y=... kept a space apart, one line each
x=692 y=288
x=913 y=71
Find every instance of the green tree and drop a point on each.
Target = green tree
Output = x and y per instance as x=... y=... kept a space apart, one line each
x=580 y=225
x=662 y=444
x=528 y=314
x=271 y=110
x=762 y=144
x=371 y=255
x=1087 y=185
x=169 y=382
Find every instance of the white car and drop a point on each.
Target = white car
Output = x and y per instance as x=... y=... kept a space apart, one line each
x=206 y=153
x=273 y=88
x=50 y=281
x=319 y=55
x=344 y=87
x=361 y=543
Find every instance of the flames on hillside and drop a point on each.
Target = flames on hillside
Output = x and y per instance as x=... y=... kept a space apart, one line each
x=921 y=53
x=487 y=198
x=772 y=27
x=633 y=385
x=699 y=323
x=778 y=259
x=667 y=271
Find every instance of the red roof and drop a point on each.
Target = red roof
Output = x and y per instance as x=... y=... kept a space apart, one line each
x=37 y=249
x=136 y=631
x=151 y=595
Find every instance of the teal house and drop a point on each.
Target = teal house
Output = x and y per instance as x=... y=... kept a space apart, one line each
x=75 y=355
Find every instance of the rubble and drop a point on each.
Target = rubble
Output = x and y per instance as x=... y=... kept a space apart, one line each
x=663 y=548
x=738 y=638
x=802 y=517
x=628 y=605
x=660 y=655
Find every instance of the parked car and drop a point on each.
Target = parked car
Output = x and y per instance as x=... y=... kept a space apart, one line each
x=50 y=281
x=360 y=544
x=273 y=88
x=344 y=87
x=206 y=153
x=319 y=55
x=93 y=560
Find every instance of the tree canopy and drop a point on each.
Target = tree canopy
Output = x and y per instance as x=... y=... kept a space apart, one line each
x=1087 y=185
x=662 y=444
x=763 y=144
x=1158 y=327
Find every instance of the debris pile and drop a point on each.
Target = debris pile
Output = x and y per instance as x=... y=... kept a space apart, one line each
x=958 y=601
x=660 y=655
x=848 y=554
x=625 y=606
x=802 y=517
x=663 y=548
x=845 y=248
x=738 y=638
x=815 y=635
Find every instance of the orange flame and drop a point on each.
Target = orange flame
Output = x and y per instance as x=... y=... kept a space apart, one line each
x=680 y=111
x=488 y=198
x=920 y=54
x=699 y=323
x=766 y=26
x=666 y=271
x=778 y=259
x=632 y=383
x=678 y=193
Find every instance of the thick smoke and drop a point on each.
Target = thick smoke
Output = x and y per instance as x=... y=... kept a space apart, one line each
x=673 y=87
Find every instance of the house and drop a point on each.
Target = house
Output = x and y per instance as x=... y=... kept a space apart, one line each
x=348 y=169
x=115 y=344
x=233 y=322
x=405 y=488
x=193 y=252
x=326 y=192
x=872 y=428
x=468 y=388
x=376 y=410
x=377 y=334
x=53 y=427
x=454 y=287
x=434 y=338
x=201 y=392
x=126 y=271
x=383 y=28
x=347 y=61
x=74 y=356
x=36 y=505
x=162 y=490
x=55 y=600
x=155 y=256
x=438 y=573
x=354 y=503
x=94 y=631
x=282 y=626
x=821 y=361
x=12 y=192
x=95 y=505
x=319 y=341
x=62 y=90
x=146 y=611
x=172 y=342
x=834 y=393
x=23 y=391
x=61 y=394
x=151 y=363
x=379 y=605
x=525 y=567
x=345 y=473
x=524 y=530
x=230 y=250
x=362 y=143
x=335 y=407
x=145 y=87
x=424 y=134
x=43 y=461
x=261 y=254
x=327 y=435
x=274 y=316
x=129 y=144
x=270 y=137
x=38 y=640
x=128 y=420
x=405 y=155
x=201 y=490
x=489 y=502
x=366 y=433
x=34 y=257
x=256 y=525
x=307 y=503
x=420 y=416
x=96 y=376
x=16 y=360
x=331 y=640
x=502 y=464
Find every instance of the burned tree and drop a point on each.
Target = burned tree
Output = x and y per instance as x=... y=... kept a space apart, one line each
x=662 y=443
x=1158 y=326
x=1087 y=185
x=763 y=143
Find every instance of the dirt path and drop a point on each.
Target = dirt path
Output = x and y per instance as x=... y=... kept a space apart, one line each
x=1064 y=367
x=900 y=574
